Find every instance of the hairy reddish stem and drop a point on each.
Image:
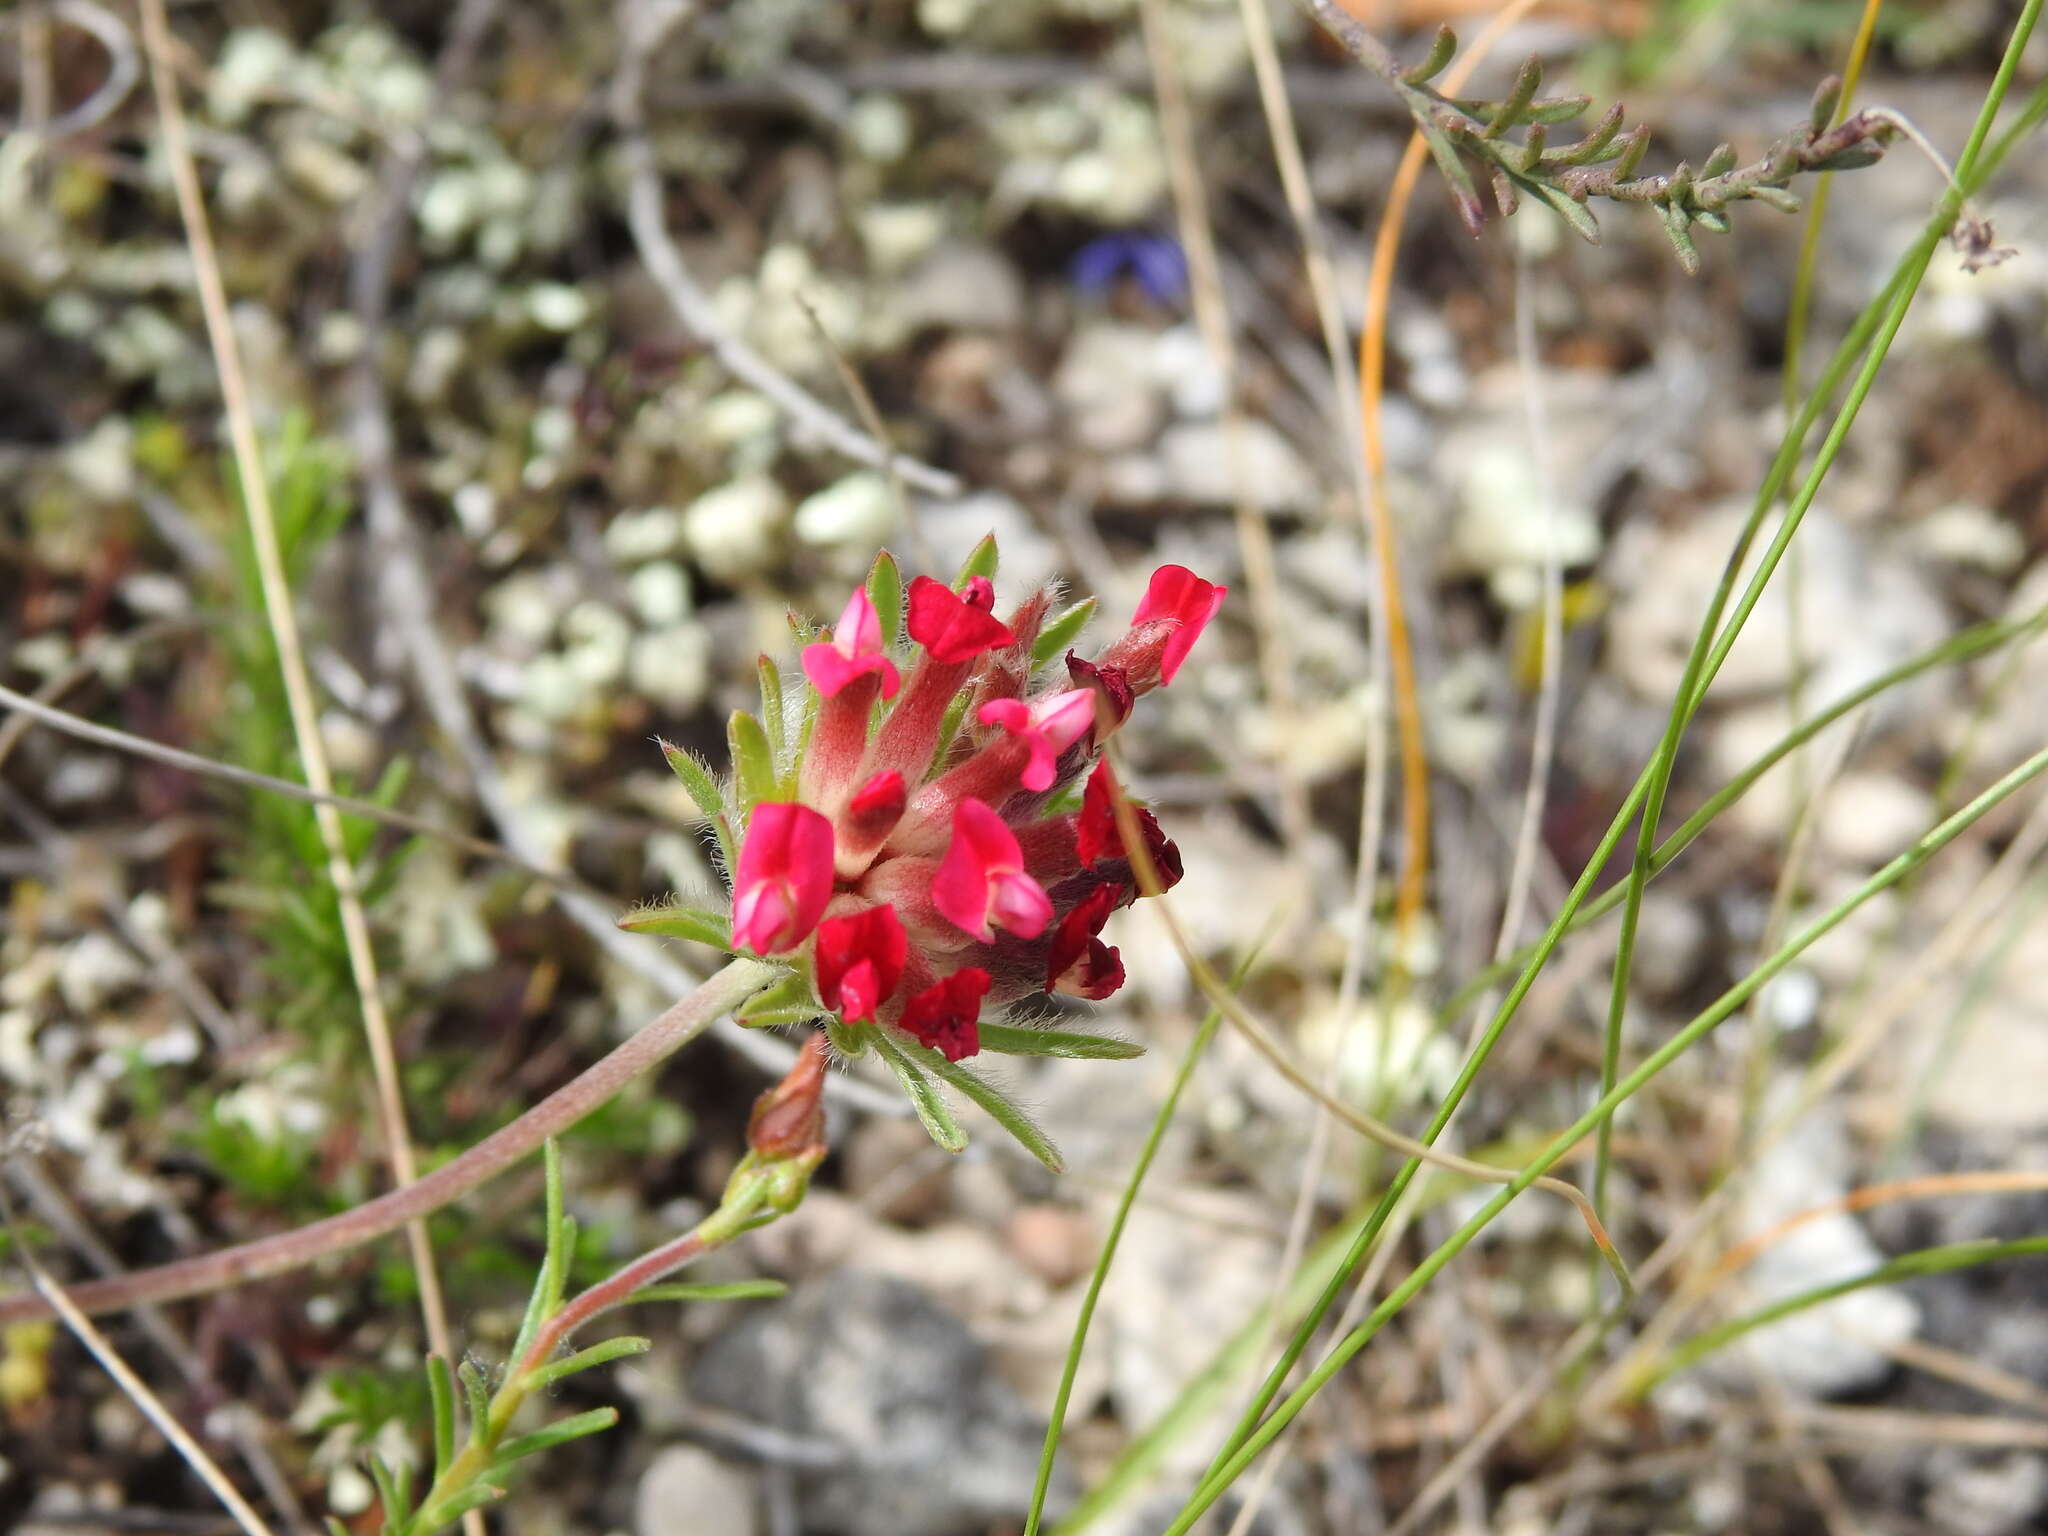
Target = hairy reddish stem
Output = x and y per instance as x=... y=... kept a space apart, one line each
x=675 y=1028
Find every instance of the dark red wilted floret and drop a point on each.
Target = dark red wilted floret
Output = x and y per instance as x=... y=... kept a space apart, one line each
x=947 y=1015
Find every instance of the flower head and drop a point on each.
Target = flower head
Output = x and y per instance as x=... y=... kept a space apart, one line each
x=913 y=856
x=784 y=878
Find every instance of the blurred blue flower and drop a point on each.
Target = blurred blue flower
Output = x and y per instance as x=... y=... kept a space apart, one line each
x=1154 y=261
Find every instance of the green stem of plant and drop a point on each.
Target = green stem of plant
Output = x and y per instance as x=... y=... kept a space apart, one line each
x=758 y=1192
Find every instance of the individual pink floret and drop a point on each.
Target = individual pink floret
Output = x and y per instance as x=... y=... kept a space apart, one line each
x=784 y=879
x=955 y=626
x=980 y=885
x=1178 y=594
x=854 y=651
x=1048 y=727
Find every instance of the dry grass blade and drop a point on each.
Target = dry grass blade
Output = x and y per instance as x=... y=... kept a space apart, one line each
x=255 y=491
x=1212 y=318
x=203 y=1466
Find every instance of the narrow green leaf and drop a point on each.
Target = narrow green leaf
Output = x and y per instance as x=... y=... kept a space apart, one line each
x=949 y=727
x=395 y=1508
x=786 y=1000
x=561 y=1432
x=476 y=1393
x=441 y=1397
x=1060 y=633
x=1574 y=212
x=1470 y=210
x=1432 y=63
x=700 y=925
x=729 y=1290
x=585 y=1359
x=981 y=562
x=335 y=1527
x=885 y=591
x=993 y=1102
x=1012 y=1040
x=696 y=776
x=1555 y=109
x=772 y=716
x=458 y=1504
x=1678 y=230
x=924 y=1097
x=753 y=760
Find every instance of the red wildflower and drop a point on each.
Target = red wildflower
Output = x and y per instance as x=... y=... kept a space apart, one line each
x=947 y=1015
x=1178 y=594
x=860 y=959
x=955 y=626
x=981 y=883
x=1078 y=963
x=1047 y=727
x=1113 y=693
x=854 y=650
x=784 y=878
x=1097 y=836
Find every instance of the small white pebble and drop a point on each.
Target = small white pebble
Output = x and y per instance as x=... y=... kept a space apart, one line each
x=858 y=510
x=660 y=593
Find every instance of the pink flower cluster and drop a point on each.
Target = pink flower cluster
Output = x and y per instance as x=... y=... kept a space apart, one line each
x=923 y=884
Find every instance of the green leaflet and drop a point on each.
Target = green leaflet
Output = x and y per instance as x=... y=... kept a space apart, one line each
x=1011 y=1040
x=925 y=1098
x=787 y=1000
x=981 y=562
x=696 y=776
x=1061 y=632
x=700 y=925
x=991 y=1099
x=753 y=760
x=885 y=591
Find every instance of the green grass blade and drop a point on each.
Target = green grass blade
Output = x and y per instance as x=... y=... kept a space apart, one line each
x=1181 y=1077
x=1700 y=1026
